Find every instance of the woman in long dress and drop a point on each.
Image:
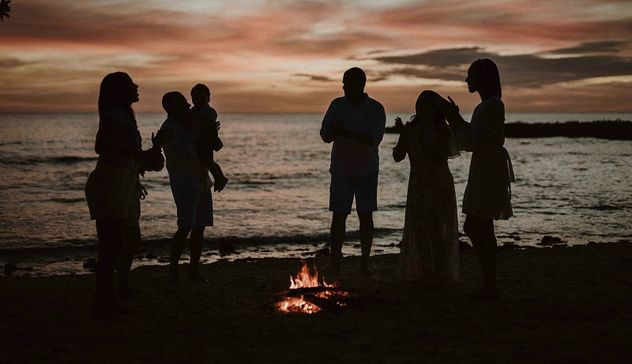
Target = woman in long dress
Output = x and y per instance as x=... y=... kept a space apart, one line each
x=430 y=245
x=488 y=193
x=113 y=189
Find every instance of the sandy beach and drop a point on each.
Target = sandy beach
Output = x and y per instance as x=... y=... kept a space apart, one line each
x=558 y=304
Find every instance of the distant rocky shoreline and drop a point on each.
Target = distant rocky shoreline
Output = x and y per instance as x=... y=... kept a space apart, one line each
x=603 y=129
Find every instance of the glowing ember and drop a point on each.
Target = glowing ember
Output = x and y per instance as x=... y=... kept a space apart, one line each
x=309 y=295
x=299 y=305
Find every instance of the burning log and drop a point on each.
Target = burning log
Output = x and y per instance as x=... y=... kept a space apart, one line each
x=307 y=290
x=309 y=295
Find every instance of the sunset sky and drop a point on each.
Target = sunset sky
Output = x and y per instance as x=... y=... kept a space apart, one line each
x=289 y=56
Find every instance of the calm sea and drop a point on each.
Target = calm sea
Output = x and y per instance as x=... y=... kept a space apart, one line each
x=276 y=201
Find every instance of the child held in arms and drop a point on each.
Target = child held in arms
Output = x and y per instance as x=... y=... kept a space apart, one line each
x=206 y=133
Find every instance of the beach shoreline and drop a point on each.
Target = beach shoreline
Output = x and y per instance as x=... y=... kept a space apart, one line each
x=568 y=304
x=81 y=259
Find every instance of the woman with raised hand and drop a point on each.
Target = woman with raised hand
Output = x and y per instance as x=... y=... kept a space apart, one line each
x=488 y=192
x=113 y=190
x=430 y=245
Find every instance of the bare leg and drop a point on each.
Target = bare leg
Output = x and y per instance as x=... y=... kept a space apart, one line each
x=110 y=232
x=132 y=243
x=338 y=227
x=366 y=237
x=481 y=233
x=197 y=237
x=471 y=230
x=177 y=246
x=490 y=240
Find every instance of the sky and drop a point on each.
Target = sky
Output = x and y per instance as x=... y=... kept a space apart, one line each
x=289 y=56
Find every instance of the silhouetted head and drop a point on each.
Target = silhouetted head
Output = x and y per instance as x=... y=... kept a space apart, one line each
x=176 y=105
x=427 y=109
x=483 y=77
x=117 y=91
x=200 y=94
x=353 y=83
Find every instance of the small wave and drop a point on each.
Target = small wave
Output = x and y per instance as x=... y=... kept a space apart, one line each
x=605 y=207
x=68 y=200
x=64 y=160
x=69 y=246
x=254 y=182
x=394 y=206
x=11 y=143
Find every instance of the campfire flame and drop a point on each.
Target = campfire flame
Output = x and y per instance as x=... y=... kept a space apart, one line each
x=305 y=280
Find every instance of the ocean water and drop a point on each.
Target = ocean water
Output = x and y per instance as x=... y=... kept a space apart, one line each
x=276 y=201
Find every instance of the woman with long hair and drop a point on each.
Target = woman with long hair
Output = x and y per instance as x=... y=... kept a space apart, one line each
x=430 y=245
x=488 y=193
x=113 y=189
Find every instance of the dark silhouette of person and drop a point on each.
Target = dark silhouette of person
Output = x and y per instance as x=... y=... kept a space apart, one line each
x=190 y=184
x=488 y=193
x=205 y=129
x=355 y=124
x=113 y=190
x=430 y=243
x=5 y=9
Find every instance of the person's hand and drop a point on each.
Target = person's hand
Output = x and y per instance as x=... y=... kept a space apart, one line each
x=453 y=104
x=449 y=109
x=218 y=125
x=399 y=125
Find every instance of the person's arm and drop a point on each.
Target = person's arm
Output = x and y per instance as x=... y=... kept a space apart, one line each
x=327 y=133
x=480 y=133
x=161 y=138
x=477 y=134
x=379 y=125
x=217 y=143
x=214 y=126
x=376 y=132
x=400 y=149
x=450 y=111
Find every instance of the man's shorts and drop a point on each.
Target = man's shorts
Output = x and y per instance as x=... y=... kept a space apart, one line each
x=195 y=207
x=344 y=188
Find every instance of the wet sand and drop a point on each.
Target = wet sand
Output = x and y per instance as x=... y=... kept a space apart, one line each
x=558 y=304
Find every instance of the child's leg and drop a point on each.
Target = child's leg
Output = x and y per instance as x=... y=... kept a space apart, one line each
x=218 y=176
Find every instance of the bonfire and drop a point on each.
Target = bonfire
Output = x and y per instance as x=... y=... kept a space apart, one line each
x=308 y=294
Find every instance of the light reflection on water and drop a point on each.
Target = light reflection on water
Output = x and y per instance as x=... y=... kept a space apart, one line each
x=577 y=189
